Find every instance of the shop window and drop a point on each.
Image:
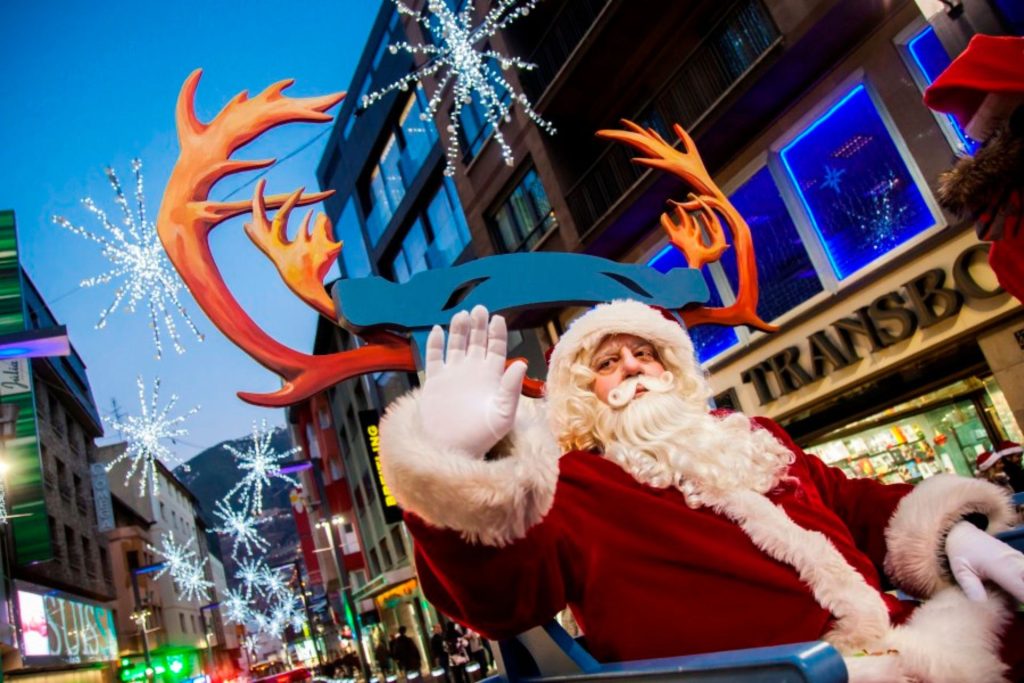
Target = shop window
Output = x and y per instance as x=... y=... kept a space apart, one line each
x=858 y=191
x=785 y=276
x=708 y=340
x=524 y=217
x=354 y=260
x=927 y=58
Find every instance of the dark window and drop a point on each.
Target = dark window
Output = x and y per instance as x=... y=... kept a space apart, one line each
x=396 y=540
x=369 y=488
x=374 y=562
x=385 y=555
x=524 y=217
x=785 y=276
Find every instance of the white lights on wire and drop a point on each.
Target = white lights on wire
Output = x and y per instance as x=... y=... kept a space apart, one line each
x=463 y=59
x=139 y=263
x=144 y=435
x=185 y=568
x=241 y=527
x=260 y=464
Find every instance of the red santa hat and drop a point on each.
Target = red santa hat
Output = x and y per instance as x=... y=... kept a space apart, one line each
x=983 y=85
x=618 y=317
x=1004 y=448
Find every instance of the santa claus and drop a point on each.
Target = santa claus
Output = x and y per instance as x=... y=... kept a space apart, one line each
x=669 y=530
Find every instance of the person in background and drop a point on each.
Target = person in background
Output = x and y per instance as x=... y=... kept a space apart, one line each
x=455 y=646
x=439 y=658
x=382 y=653
x=405 y=653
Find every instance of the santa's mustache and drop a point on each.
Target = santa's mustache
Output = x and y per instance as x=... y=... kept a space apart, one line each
x=620 y=396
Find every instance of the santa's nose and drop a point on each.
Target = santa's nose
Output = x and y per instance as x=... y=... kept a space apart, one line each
x=630 y=364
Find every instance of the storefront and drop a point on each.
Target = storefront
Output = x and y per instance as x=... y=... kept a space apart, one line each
x=914 y=373
x=62 y=637
x=400 y=603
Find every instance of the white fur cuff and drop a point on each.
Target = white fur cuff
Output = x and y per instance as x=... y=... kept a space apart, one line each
x=491 y=502
x=916 y=533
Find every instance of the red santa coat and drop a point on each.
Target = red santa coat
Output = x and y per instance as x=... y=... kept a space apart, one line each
x=647 y=576
x=502 y=546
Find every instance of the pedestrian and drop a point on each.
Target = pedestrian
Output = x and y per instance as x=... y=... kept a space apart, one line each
x=382 y=653
x=456 y=648
x=476 y=649
x=405 y=652
x=438 y=656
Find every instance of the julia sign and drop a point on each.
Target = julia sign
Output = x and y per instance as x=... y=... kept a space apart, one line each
x=58 y=630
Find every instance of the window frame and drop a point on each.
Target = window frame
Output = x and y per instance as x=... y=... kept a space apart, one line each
x=796 y=204
x=491 y=216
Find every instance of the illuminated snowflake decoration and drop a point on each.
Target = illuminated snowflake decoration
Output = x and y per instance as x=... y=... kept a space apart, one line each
x=250 y=573
x=144 y=435
x=833 y=178
x=236 y=607
x=271 y=582
x=185 y=568
x=241 y=527
x=261 y=464
x=463 y=60
x=139 y=263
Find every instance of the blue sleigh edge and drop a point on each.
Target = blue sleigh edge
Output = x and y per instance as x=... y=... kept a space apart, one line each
x=517 y=282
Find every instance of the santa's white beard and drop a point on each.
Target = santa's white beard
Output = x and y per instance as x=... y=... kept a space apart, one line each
x=665 y=439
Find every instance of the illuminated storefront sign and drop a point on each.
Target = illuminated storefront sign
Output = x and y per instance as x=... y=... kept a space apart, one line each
x=369 y=421
x=893 y=317
x=59 y=630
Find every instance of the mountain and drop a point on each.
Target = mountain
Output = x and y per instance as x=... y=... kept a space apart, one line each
x=212 y=473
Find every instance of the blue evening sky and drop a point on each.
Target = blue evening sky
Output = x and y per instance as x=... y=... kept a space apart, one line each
x=90 y=84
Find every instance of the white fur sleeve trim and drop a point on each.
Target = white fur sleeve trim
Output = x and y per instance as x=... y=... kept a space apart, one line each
x=916 y=533
x=491 y=502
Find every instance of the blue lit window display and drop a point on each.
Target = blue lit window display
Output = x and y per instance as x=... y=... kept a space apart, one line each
x=859 y=193
x=785 y=276
x=931 y=59
x=708 y=340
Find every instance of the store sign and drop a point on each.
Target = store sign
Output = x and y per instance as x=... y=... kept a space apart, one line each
x=21 y=439
x=56 y=629
x=369 y=422
x=101 y=497
x=928 y=299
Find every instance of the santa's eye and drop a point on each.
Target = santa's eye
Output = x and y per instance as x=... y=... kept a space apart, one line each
x=645 y=353
x=605 y=364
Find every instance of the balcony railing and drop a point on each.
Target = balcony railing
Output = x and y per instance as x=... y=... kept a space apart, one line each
x=564 y=33
x=736 y=44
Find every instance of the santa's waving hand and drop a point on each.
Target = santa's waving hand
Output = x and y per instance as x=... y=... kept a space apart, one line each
x=469 y=398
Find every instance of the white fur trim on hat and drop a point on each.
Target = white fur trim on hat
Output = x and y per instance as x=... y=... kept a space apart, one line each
x=915 y=536
x=623 y=316
x=493 y=502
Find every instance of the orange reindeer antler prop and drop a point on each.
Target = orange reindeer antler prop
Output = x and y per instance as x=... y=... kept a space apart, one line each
x=187 y=216
x=685 y=232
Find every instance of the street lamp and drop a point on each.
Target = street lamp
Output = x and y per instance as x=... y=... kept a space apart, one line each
x=140 y=614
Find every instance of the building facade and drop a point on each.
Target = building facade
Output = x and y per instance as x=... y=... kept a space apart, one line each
x=179 y=630
x=70 y=578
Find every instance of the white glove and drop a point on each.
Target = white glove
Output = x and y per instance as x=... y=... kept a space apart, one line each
x=974 y=556
x=469 y=399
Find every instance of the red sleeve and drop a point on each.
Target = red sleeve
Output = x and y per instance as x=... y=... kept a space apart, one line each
x=865 y=505
x=498 y=592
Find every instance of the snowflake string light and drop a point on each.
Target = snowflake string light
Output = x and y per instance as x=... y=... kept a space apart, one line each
x=139 y=261
x=241 y=526
x=464 y=61
x=261 y=464
x=272 y=583
x=144 y=434
x=236 y=607
x=250 y=573
x=185 y=568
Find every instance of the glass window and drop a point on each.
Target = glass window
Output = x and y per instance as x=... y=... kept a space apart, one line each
x=858 y=192
x=448 y=224
x=354 y=259
x=785 y=276
x=929 y=58
x=524 y=217
x=708 y=340
x=418 y=133
x=412 y=257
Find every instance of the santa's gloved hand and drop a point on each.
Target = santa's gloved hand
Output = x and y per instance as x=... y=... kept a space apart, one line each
x=974 y=556
x=469 y=399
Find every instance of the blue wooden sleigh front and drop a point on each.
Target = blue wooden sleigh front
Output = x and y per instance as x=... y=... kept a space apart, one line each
x=518 y=282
